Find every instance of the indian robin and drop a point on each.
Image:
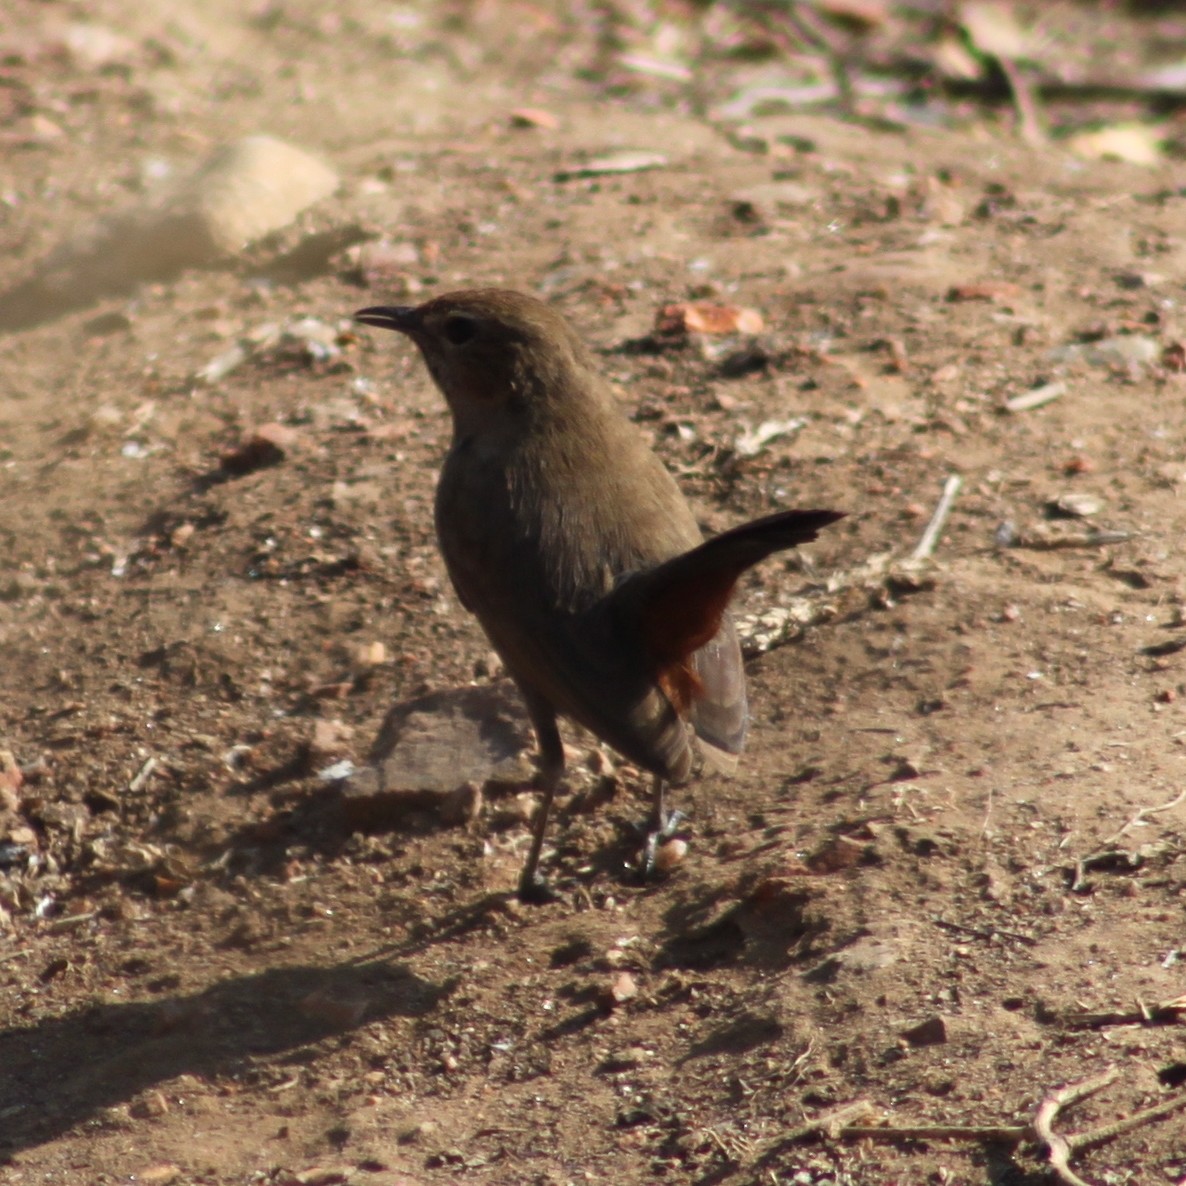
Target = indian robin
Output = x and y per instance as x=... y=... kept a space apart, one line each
x=566 y=536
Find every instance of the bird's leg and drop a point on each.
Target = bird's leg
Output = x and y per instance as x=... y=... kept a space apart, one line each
x=532 y=887
x=658 y=804
x=662 y=827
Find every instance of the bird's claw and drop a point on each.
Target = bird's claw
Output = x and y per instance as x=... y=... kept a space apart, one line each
x=659 y=836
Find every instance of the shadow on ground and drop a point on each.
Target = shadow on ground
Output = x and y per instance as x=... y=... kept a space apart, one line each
x=119 y=1050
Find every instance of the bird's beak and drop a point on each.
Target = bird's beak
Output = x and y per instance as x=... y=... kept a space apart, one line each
x=404 y=319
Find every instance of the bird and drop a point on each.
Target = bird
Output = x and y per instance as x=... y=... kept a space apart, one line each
x=567 y=537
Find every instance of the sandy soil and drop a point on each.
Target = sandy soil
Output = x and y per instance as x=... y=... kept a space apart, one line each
x=931 y=886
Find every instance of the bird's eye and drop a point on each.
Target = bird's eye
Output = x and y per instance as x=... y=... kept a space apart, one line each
x=459 y=329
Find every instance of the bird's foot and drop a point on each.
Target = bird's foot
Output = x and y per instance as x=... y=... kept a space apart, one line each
x=663 y=831
x=534 y=890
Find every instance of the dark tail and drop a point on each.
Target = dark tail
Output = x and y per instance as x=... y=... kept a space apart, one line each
x=679 y=605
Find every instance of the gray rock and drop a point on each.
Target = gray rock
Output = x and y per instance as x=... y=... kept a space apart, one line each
x=433 y=752
x=246 y=190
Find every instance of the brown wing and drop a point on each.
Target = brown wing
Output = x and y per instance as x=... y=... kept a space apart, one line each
x=680 y=610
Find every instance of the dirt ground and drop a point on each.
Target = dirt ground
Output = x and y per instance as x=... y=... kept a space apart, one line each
x=935 y=886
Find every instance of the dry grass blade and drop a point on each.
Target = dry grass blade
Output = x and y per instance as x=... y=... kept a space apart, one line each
x=930 y=537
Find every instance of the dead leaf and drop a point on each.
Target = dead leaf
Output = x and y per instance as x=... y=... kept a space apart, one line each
x=702 y=318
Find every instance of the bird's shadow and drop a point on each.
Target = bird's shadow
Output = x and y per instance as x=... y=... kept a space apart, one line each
x=65 y=1071
x=427 y=749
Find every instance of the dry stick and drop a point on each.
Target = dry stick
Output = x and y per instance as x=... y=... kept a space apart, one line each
x=1142 y=815
x=1101 y=850
x=1106 y=1132
x=1083 y=864
x=1163 y=1013
x=144 y=774
x=1001 y=1134
x=1037 y=397
x=988 y=806
x=1058 y=1148
x=987 y=933
x=72 y=920
x=930 y=537
x=833 y=1123
x=1037 y=542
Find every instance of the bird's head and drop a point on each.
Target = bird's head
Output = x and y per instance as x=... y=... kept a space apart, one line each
x=498 y=356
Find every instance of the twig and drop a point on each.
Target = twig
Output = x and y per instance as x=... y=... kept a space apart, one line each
x=987 y=933
x=1037 y=539
x=1142 y=815
x=930 y=537
x=1105 y=851
x=834 y=1123
x=1163 y=1013
x=997 y=1134
x=1107 y=1132
x=881 y=575
x=988 y=806
x=67 y=921
x=1107 y=858
x=142 y=775
x=1058 y=1148
x=1037 y=397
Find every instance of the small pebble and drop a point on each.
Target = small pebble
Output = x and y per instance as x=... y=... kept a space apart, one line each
x=670 y=854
